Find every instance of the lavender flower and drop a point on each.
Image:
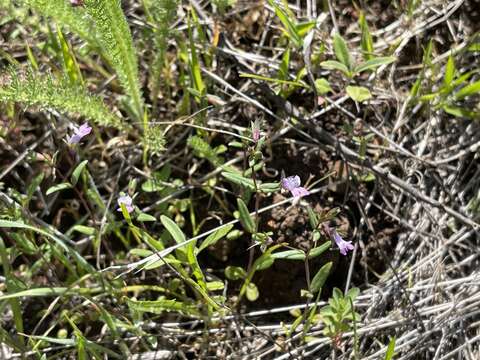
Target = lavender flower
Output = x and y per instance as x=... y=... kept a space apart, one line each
x=127 y=201
x=255 y=131
x=292 y=184
x=343 y=245
x=79 y=133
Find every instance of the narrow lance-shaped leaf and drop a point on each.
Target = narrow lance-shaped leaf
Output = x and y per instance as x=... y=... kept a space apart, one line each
x=245 y=218
x=374 y=63
x=341 y=51
x=320 y=277
x=366 y=42
x=449 y=71
x=173 y=229
x=78 y=171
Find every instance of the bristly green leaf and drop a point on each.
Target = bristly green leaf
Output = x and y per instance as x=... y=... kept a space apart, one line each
x=202 y=149
x=341 y=51
x=75 y=18
x=47 y=92
x=117 y=45
x=162 y=14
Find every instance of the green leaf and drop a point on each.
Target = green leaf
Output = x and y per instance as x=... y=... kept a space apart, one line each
x=312 y=217
x=235 y=273
x=247 y=221
x=366 y=42
x=303 y=28
x=48 y=291
x=215 y=236
x=277 y=81
x=59 y=187
x=69 y=61
x=374 y=63
x=252 y=292
x=320 y=277
x=323 y=86
x=82 y=263
x=449 y=71
x=289 y=25
x=300 y=255
x=77 y=172
x=63 y=13
x=265 y=262
x=468 y=90
x=32 y=187
x=239 y=180
x=341 y=51
x=353 y=293
x=335 y=65
x=173 y=229
x=47 y=92
x=114 y=35
x=215 y=285
x=86 y=230
x=163 y=305
x=459 y=111
x=269 y=187
x=359 y=93
x=195 y=71
x=290 y=255
x=390 y=349
x=284 y=65
x=146 y=217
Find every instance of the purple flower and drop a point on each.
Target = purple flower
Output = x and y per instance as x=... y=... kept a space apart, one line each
x=255 y=131
x=343 y=245
x=79 y=133
x=292 y=184
x=127 y=201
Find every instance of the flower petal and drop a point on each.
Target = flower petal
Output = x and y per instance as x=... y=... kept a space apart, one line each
x=299 y=192
x=291 y=182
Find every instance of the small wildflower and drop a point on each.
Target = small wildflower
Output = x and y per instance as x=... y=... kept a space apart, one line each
x=127 y=201
x=343 y=245
x=255 y=131
x=79 y=133
x=292 y=184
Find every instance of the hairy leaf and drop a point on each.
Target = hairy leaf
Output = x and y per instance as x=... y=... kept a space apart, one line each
x=47 y=92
